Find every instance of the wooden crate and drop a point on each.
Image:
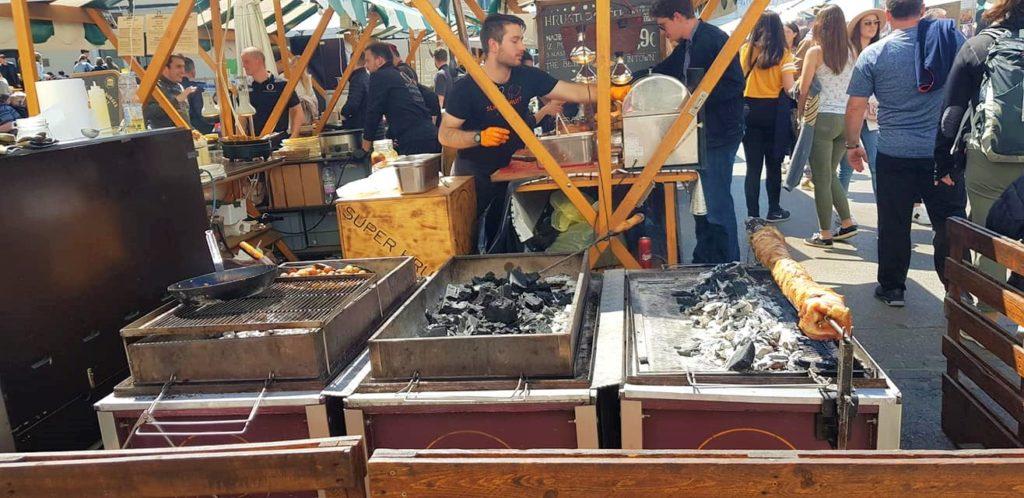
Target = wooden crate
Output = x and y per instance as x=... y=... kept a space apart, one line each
x=296 y=185
x=431 y=227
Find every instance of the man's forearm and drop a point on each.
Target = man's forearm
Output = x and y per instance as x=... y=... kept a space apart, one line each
x=457 y=139
x=855 y=109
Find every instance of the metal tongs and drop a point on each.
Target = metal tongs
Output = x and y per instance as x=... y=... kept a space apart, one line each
x=560 y=120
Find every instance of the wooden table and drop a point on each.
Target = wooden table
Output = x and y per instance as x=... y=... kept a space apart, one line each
x=667 y=179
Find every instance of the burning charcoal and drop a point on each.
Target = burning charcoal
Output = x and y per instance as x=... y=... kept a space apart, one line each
x=459 y=293
x=735 y=288
x=523 y=280
x=532 y=302
x=563 y=298
x=467 y=325
x=435 y=330
x=547 y=297
x=502 y=310
x=742 y=358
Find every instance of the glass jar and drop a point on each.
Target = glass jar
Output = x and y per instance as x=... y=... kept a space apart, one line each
x=383 y=152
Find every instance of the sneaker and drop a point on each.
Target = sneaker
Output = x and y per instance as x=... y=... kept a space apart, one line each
x=921 y=216
x=891 y=297
x=844 y=233
x=778 y=216
x=807 y=184
x=817 y=241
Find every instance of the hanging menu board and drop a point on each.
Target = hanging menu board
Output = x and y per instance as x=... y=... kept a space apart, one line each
x=131 y=36
x=188 y=42
x=559 y=23
x=156 y=25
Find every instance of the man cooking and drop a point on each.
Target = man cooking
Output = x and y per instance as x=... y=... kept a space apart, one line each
x=266 y=90
x=473 y=126
x=169 y=83
x=397 y=97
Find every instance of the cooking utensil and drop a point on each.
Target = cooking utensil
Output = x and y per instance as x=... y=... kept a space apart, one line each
x=630 y=222
x=341 y=143
x=570 y=148
x=417 y=173
x=246 y=150
x=224 y=285
x=255 y=252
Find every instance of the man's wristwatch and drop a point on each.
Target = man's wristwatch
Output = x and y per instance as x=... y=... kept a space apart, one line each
x=851 y=147
x=476 y=138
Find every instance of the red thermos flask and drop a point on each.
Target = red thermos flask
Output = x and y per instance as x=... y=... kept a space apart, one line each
x=643 y=250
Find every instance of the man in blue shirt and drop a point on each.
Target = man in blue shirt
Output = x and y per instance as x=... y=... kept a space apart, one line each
x=907 y=120
x=698 y=45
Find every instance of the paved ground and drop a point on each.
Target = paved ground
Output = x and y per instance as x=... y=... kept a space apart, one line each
x=906 y=342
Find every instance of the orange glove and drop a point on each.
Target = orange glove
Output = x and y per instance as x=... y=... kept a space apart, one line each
x=619 y=92
x=494 y=136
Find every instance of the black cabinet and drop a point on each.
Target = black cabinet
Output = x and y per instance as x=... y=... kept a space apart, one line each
x=95 y=232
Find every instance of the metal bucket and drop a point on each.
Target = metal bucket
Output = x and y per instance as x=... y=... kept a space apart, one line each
x=417 y=173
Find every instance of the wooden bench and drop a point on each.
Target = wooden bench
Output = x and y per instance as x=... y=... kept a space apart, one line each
x=658 y=473
x=982 y=389
x=335 y=465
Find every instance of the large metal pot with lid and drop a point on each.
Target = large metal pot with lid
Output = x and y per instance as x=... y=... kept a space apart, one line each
x=342 y=143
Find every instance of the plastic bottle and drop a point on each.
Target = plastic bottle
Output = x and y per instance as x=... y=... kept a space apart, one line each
x=329 y=179
x=127 y=89
x=98 y=105
x=383 y=152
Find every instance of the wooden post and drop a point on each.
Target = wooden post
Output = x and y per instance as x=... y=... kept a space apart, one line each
x=26 y=53
x=710 y=6
x=299 y=68
x=163 y=51
x=227 y=121
x=477 y=11
x=414 y=45
x=282 y=40
x=160 y=98
x=689 y=111
x=604 y=137
x=498 y=99
x=357 y=50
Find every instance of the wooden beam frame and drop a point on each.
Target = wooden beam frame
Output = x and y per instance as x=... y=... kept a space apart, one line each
x=689 y=111
x=708 y=10
x=360 y=45
x=300 y=67
x=26 y=52
x=336 y=465
x=415 y=40
x=97 y=18
x=163 y=51
x=712 y=473
x=227 y=120
x=478 y=12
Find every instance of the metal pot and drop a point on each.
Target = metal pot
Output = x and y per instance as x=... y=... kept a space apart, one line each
x=341 y=143
x=417 y=173
x=571 y=148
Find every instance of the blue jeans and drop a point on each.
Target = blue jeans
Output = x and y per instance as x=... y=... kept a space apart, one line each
x=717 y=238
x=870 y=140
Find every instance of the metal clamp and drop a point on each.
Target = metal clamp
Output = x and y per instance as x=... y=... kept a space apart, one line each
x=520 y=393
x=147 y=418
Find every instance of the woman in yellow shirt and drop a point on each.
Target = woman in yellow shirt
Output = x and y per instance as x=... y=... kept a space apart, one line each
x=770 y=71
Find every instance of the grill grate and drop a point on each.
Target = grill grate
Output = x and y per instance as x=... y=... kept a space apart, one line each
x=285 y=304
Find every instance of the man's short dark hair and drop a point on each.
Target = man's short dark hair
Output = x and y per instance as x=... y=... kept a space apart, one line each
x=668 y=8
x=902 y=9
x=441 y=55
x=494 y=28
x=190 y=65
x=383 y=50
x=170 y=60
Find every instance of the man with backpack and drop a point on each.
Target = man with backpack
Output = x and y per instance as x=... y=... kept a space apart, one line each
x=981 y=130
x=909 y=105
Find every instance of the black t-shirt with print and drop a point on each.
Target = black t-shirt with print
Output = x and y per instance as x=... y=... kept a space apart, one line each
x=465 y=100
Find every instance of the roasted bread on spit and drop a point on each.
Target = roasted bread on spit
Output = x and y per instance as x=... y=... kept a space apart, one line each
x=816 y=304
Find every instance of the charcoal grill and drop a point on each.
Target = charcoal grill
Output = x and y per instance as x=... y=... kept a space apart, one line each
x=397 y=352
x=187 y=343
x=654 y=326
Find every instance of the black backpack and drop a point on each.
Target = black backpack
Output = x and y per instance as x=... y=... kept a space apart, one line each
x=997 y=123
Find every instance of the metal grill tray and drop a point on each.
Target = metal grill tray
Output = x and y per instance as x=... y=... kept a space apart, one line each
x=397 y=352
x=656 y=326
x=285 y=304
x=185 y=341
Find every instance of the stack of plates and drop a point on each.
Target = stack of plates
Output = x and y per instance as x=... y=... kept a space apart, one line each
x=300 y=148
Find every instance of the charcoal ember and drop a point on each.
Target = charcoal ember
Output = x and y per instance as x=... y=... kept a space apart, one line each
x=532 y=302
x=562 y=298
x=742 y=358
x=489 y=277
x=735 y=288
x=460 y=292
x=449 y=307
x=435 y=330
x=467 y=325
x=685 y=299
x=501 y=310
x=522 y=279
x=547 y=297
